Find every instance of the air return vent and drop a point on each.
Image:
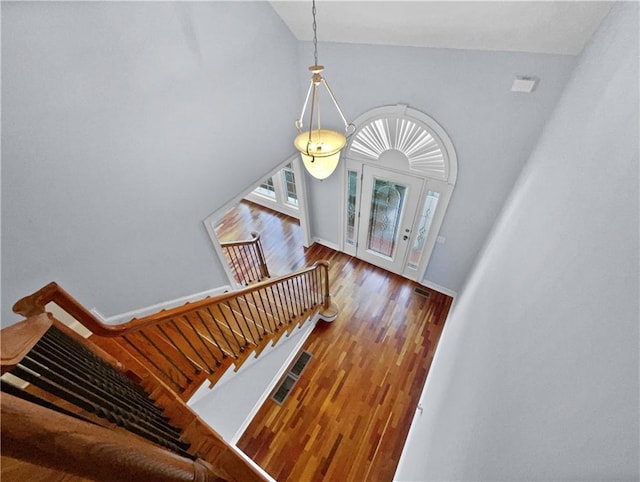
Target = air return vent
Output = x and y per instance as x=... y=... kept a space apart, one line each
x=422 y=292
x=288 y=382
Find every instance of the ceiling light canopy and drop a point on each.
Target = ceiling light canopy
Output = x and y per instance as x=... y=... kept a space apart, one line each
x=320 y=148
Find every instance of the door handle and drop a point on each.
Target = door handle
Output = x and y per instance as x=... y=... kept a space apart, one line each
x=405 y=237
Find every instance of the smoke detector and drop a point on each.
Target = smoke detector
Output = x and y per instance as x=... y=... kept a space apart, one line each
x=524 y=85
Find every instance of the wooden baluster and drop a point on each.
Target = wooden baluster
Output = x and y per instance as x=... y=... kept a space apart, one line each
x=205 y=366
x=255 y=315
x=277 y=310
x=292 y=296
x=266 y=314
x=162 y=348
x=282 y=301
x=302 y=279
x=45 y=357
x=165 y=336
x=206 y=346
x=248 y=317
x=314 y=283
x=307 y=279
x=233 y=332
x=61 y=347
x=238 y=323
x=77 y=375
x=215 y=340
x=221 y=331
x=39 y=376
x=249 y=263
x=264 y=269
x=300 y=294
x=242 y=265
x=164 y=372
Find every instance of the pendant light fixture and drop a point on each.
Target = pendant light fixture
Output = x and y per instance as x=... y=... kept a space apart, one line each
x=320 y=148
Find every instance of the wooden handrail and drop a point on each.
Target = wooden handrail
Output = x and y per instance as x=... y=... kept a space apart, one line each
x=190 y=306
x=76 y=442
x=241 y=242
x=51 y=439
x=247 y=259
x=185 y=345
x=35 y=303
x=19 y=339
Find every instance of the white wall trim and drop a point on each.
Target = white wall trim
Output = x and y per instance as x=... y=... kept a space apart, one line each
x=326 y=243
x=441 y=289
x=253 y=464
x=147 y=310
x=308 y=326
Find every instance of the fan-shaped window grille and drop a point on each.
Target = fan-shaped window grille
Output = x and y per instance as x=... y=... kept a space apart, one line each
x=419 y=141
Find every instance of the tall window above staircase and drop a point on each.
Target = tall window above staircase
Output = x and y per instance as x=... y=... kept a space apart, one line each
x=278 y=192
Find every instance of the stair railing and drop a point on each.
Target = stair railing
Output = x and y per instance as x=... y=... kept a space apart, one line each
x=246 y=259
x=71 y=407
x=186 y=345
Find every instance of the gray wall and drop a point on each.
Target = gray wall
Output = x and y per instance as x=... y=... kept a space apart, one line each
x=123 y=126
x=536 y=374
x=468 y=93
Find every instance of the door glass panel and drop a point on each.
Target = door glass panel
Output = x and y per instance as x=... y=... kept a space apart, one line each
x=352 y=185
x=386 y=209
x=424 y=223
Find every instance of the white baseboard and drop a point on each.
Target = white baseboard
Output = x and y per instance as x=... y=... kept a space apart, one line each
x=148 y=310
x=252 y=463
x=308 y=326
x=441 y=289
x=326 y=243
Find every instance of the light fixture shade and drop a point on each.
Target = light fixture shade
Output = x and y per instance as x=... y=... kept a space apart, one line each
x=320 y=143
x=321 y=167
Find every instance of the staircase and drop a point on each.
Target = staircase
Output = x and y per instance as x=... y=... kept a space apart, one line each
x=199 y=341
x=114 y=403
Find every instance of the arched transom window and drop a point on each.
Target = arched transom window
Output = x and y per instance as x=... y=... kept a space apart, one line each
x=396 y=149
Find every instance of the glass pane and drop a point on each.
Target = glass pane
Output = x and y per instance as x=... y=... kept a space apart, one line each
x=386 y=209
x=352 y=187
x=290 y=185
x=266 y=189
x=423 y=229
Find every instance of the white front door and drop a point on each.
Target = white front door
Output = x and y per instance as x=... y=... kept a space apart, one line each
x=388 y=206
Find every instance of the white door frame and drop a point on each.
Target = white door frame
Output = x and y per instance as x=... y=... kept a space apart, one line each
x=408 y=141
x=412 y=201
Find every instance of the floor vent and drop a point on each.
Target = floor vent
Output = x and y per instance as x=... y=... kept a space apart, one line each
x=423 y=292
x=288 y=382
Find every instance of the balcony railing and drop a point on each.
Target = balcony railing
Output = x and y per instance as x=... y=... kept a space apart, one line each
x=186 y=345
x=246 y=259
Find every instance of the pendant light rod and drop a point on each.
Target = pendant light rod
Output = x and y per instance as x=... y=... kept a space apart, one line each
x=320 y=148
x=315 y=80
x=315 y=32
x=335 y=102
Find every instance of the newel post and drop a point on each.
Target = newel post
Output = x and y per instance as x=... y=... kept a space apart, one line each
x=329 y=311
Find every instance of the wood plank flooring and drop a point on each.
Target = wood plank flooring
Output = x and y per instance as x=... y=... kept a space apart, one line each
x=279 y=234
x=348 y=416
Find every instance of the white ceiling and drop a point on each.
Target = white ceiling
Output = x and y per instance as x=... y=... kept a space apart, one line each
x=554 y=27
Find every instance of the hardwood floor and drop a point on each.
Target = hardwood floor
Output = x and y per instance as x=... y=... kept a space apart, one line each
x=347 y=417
x=279 y=234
